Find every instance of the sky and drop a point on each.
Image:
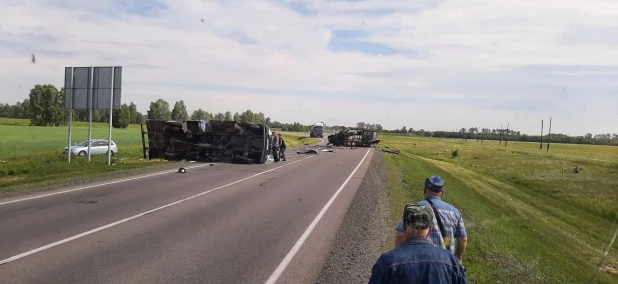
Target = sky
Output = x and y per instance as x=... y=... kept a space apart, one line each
x=430 y=64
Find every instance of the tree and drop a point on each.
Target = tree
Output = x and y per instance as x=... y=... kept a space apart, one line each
x=219 y=116
x=159 y=109
x=6 y=111
x=236 y=117
x=199 y=114
x=404 y=130
x=228 y=116
x=121 y=117
x=46 y=106
x=133 y=113
x=360 y=125
x=259 y=118
x=247 y=116
x=180 y=111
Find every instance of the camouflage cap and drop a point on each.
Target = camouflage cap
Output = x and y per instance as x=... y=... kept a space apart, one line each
x=417 y=216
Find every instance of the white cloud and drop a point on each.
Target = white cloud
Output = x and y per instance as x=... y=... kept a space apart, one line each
x=472 y=61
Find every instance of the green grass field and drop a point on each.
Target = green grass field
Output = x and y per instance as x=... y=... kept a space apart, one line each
x=32 y=155
x=527 y=222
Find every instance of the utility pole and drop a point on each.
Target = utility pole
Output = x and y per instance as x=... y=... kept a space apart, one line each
x=501 y=131
x=482 y=133
x=506 y=139
x=541 y=146
x=549 y=136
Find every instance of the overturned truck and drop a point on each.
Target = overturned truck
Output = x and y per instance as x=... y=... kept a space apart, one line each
x=354 y=137
x=207 y=141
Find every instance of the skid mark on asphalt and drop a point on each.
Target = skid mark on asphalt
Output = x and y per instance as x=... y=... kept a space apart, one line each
x=18 y=209
x=103 y=194
x=86 y=202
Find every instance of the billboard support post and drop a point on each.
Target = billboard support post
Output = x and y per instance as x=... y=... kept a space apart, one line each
x=111 y=110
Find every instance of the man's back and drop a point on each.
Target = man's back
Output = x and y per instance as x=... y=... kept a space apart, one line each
x=417 y=260
x=452 y=221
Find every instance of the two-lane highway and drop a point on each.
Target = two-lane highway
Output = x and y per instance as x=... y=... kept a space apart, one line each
x=221 y=224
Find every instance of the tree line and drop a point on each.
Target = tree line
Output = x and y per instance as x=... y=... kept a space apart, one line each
x=44 y=107
x=512 y=135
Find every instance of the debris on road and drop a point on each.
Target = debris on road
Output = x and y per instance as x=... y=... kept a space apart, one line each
x=317 y=150
x=182 y=170
x=391 y=151
x=308 y=151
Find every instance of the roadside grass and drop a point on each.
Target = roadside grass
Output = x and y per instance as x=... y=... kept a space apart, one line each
x=527 y=222
x=293 y=139
x=32 y=155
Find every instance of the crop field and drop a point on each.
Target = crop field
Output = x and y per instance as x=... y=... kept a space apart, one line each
x=527 y=220
x=32 y=155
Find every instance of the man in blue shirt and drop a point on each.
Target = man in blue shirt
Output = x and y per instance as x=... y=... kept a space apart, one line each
x=417 y=260
x=448 y=231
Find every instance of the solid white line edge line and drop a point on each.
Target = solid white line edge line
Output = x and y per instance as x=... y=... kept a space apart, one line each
x=16 y=257
x=96 y=185
x=288 y=258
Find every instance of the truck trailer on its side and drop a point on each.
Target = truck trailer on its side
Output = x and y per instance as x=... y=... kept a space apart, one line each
x=208 y=141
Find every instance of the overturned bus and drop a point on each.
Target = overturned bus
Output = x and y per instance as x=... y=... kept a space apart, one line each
x=354 y=137
x=207 y=141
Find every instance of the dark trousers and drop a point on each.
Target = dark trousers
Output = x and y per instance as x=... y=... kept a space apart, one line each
x=282 y=153
x=276 y=154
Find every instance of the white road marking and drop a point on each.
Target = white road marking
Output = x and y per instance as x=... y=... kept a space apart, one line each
x=288 y=258
x=16 y=257
x=96 y=185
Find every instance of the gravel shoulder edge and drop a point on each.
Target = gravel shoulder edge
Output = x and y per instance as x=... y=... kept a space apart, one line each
x=364 y=230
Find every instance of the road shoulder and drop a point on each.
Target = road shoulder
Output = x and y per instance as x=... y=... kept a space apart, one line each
x=365 y=229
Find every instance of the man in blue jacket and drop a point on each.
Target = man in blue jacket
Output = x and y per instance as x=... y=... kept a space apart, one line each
x=449 y=231
x=417 y=260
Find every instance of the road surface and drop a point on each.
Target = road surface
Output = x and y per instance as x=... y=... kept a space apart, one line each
x=226 y=223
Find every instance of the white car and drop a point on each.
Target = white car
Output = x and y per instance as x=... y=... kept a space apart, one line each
x=97 y=147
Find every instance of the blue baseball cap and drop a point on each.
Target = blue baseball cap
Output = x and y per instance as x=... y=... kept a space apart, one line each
x=434 y=183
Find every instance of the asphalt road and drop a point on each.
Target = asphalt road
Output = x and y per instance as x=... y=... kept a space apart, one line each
x=214 y=224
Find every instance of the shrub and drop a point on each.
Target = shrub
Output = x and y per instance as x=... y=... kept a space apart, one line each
x=455 y=153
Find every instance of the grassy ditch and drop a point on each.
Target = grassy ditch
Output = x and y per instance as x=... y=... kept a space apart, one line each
x=528 y=222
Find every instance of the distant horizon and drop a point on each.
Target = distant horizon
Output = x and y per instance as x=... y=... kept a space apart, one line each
x=421 y=64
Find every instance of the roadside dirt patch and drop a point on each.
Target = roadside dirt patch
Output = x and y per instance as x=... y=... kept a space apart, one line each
x=359 y=241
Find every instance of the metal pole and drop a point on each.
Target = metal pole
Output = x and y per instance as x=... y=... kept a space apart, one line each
x=111 y=107
x=70 y=114
x=90 y=93
x=70 y=119
x=141 y=125
x=549 y=136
